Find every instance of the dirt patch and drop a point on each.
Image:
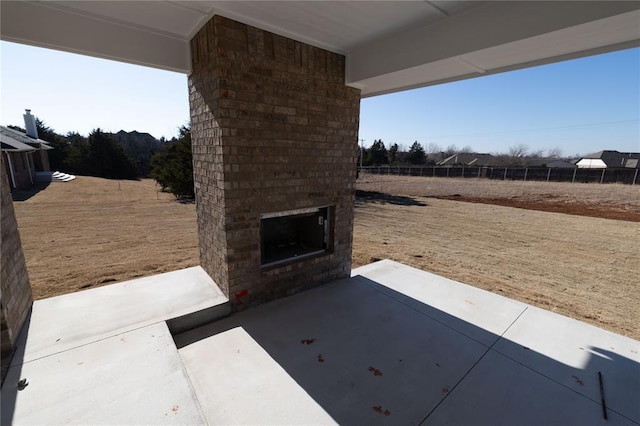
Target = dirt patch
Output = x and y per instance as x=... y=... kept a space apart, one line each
x=603 y=209
x=596 y=200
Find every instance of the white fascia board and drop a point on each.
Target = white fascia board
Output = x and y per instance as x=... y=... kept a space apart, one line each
x=37 y=24
x=488 y=26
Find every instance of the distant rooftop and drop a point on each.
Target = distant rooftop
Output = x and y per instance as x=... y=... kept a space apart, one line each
x=15 y=140
x=612 y=158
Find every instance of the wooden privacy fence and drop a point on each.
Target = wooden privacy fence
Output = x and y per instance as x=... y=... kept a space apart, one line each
x=626 y=176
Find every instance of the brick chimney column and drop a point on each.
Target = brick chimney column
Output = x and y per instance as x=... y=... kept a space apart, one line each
x=273 y=128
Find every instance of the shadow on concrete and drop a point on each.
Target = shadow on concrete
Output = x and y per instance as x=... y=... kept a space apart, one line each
x=368 y=354
x=363 y=197
x=10 y=386
x=23 y=195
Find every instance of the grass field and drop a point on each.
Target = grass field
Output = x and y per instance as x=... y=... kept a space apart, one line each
x=91 y=232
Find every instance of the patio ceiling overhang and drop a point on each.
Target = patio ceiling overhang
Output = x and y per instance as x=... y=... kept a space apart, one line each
x=389 y=46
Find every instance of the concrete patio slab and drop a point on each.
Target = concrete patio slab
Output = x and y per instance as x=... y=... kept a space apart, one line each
x=238 y=382
x=390 y=345
x=134 y=377
x=347 y=350
x=479 y=311
x=501 y=391
x=60 y=323
x=580 y=351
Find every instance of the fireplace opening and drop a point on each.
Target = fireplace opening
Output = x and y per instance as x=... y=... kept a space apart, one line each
x=294 y=235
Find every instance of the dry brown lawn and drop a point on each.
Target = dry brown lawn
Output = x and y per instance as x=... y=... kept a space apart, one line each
x=587 y=268
x=91 y=231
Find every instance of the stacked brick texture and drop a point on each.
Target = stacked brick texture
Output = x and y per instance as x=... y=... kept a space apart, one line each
x=16 y=298
x=21 y=172
x=274 y=128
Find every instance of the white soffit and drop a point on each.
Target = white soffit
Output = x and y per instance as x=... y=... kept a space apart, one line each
x=99 y=28
x=616 y=30
x=177 y=19
x=70 y=27
x=389 y=45
x=605 y=35
x=338 y=26
x=496 y=37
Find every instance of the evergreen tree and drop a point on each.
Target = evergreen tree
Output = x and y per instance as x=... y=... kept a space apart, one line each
x=393 y=153
x=60 y=146
x=377 y=154
x=173 y=168
x=139 y=146
x=107 y=159
x=416 y=154
x=118 y=156
x=76 y=158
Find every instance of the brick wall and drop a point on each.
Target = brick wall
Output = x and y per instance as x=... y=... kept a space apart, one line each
x=273 y=128
x=23 y=168
x=41 y=160
x=16 y=298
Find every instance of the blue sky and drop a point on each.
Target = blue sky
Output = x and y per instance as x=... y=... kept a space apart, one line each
x=71 y=92
x=577 y=106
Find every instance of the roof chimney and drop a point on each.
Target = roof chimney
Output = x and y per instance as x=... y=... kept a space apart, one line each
x=30 y=124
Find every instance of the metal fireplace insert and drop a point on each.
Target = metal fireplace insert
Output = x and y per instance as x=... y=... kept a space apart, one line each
x=294 y=235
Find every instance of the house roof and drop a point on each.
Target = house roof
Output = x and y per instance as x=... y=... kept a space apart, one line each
x=559 y=163
x=615 y=159
x=389 y=46
x=470 y=159
x=20 y=141
x=633 y=163
x=548 y=162
x=14 y=146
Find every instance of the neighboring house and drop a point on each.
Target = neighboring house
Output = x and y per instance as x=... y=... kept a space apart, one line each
x=470 y=159
x=23 y=154
x=488 y=160
x=552 y=163
x=17 y=159
x=560 y=164
x=610 y=160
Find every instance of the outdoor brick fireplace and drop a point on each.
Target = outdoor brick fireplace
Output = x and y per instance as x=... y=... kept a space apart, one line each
x=274 y=137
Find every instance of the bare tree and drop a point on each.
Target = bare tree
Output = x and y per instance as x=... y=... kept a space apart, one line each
x=450 y=150
x=518 y=151
x=539 y=153
x=516 y=156
x=554 y=152
x=433 y=148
